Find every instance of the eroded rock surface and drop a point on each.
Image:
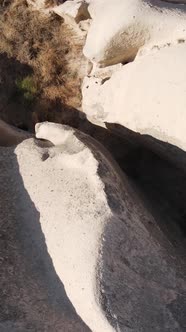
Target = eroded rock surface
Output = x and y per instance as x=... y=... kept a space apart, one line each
x=146 y=96
x=71 y=217
x=120 y=28
x=32 y=296
x=73 y=11
x=118 y=269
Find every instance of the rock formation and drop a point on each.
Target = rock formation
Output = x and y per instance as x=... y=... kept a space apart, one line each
x=146 y=95
x=105 y=246
x=118 y=269
x=73 y=11
x=32 y=295
x=82 y=240
x=120 y=28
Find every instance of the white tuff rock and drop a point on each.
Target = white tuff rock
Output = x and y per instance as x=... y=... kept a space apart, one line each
x=120 y=28
x=146 y=96
x=118 y=274
x=72 y=11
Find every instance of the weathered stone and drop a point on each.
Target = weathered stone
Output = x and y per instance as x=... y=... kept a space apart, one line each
x=120 y=28
x=73 y=11
x=146 y=96
x=118 y=268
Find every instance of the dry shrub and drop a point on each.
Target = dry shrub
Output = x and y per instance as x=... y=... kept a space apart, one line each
x=45 y=44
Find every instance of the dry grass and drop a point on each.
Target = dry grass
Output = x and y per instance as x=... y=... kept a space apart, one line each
x=45 y=44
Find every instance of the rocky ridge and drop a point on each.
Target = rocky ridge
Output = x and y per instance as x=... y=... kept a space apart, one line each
x=113 y=235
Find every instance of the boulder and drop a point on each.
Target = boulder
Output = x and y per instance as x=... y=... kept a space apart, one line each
x=120 y=28
x=146 y=96
x=73 y=11
x=32 y=296
x=118 y=268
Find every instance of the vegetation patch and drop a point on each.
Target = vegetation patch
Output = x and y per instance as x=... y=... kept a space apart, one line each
x=27 y=87
x=45 y=45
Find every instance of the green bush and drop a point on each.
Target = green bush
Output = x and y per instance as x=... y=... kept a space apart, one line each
x=27 y=87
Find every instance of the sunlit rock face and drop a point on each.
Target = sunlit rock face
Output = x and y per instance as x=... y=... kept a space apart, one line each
x=81 y=225
x=142 y=95
x=123 y=27
x=81 y=247
x=73 y=11
x=146 y=96
x=32 y=296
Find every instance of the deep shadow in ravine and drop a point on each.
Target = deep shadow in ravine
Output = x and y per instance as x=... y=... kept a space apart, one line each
x=158 y=172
